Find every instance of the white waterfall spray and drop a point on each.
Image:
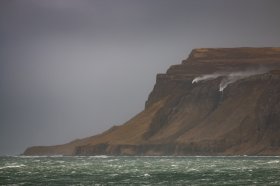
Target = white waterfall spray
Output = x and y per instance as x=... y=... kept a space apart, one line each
x=207 y=77
x=230 y=77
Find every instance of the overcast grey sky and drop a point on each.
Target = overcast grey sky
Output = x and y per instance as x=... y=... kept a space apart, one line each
x=73 y=68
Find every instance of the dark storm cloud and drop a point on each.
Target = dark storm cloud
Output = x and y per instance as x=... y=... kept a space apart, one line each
x=70 y=69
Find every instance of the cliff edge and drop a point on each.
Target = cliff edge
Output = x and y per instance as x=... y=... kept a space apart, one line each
x=219 y=101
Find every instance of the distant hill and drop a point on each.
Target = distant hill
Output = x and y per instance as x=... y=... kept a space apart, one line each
x=219 y=101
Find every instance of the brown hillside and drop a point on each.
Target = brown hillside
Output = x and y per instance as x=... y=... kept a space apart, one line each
x=185 y=118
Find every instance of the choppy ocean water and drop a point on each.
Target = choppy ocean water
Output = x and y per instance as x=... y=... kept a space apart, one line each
x=114 y=170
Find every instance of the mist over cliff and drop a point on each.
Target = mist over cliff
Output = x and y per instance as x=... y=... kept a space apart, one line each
x=219 y=101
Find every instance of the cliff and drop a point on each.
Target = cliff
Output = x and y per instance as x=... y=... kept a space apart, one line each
x=219 y=101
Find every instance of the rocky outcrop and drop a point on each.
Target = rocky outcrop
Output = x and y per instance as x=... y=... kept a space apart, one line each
x=183 y=117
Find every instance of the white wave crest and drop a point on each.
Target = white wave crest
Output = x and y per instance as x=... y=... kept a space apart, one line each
x=12 y=166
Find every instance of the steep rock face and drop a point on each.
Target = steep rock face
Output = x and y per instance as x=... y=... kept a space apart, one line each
x=186 y=118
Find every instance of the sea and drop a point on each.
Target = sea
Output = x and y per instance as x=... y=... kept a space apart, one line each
x=142 y=170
